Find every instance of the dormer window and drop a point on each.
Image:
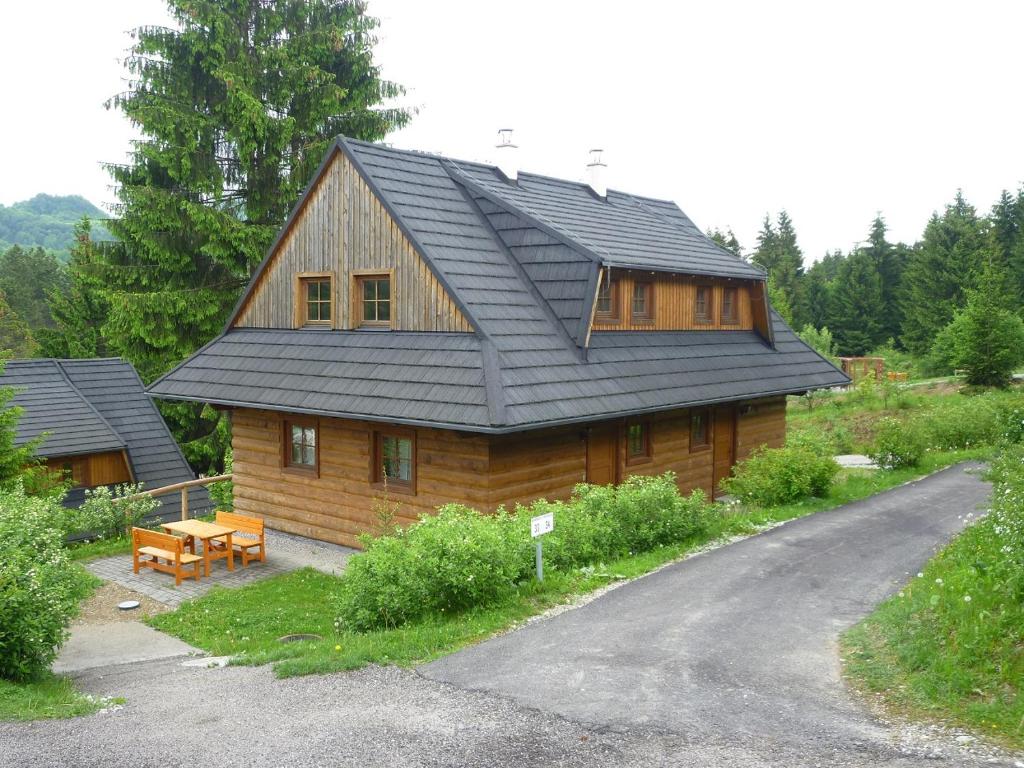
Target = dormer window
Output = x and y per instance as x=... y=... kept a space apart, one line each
x=642 y=304
x=730 y=312
x=607 y=310
x=702 y=305
x=315 y=300
x=373 y=301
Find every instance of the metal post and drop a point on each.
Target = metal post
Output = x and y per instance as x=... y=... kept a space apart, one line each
x=540 y=561
x=184 y=503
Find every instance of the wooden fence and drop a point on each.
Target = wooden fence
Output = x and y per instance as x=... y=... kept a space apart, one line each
x=183 y=487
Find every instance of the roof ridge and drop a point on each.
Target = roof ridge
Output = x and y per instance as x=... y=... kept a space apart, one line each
x=58 y=364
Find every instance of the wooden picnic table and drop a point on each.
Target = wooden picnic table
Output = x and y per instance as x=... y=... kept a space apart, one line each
x=197 y=529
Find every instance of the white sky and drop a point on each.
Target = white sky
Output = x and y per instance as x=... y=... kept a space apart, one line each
x=732 y=109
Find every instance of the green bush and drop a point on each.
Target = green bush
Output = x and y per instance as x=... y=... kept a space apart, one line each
x=443 y=563
x=897 y=444
x=773 y=476
x=39 y=588
x=459 y=558
x=965 y=423
x=1007 y=516
x=107 y=514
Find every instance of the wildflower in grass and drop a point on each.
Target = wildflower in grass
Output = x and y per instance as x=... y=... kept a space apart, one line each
x=967 y=598
x=337 y=647
x=939 y=582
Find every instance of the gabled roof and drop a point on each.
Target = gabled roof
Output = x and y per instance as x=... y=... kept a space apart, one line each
x=521 y=261
x=53 y=405
x=96 y=406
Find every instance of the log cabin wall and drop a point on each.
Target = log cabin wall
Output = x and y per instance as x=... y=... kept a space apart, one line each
x=674 y=298
x=343 y=229
x=479 y=471
x=338 y=504
x=763 y=423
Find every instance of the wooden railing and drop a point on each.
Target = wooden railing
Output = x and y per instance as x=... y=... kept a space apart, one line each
x=183 y=487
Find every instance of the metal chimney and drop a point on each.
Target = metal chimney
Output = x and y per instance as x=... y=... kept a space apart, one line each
x=596 y=173
x=507 y=154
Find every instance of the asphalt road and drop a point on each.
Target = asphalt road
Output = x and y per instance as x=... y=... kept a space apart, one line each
x=726 y=660
x=737 y=645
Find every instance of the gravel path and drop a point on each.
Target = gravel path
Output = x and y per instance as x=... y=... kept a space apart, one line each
x=726 y=660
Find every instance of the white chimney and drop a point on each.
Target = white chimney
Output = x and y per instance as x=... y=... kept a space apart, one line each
x=508 y=154
x=595 y=173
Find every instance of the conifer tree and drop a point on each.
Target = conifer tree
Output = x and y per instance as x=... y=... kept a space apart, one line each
x=889 y=261
x=236 y=107
x=727 y=240
x=81 y=311
x=777 y=251
x=940 y=271
x=16 y=338
x=857 y=305
x=1007 y=240
x=985 y=338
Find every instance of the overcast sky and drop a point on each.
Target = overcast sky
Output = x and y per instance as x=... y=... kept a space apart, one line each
x=834 y=112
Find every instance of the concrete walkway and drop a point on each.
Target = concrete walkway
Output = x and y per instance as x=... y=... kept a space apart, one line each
x=285 y=553
x=92 y=646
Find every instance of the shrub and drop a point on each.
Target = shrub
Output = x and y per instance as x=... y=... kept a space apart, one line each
x=897 y=444
x=108 y=514
x=773 y=476
x=223 y=493
x=443 y=563
x=966 y=423
x=459 y=558
x=39 y=588
x=1007 y=515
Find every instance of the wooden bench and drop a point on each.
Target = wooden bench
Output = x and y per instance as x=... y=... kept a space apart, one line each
x=163 y=546
x=248 y=535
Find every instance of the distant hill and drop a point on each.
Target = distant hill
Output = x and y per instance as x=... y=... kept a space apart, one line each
x=47 y=221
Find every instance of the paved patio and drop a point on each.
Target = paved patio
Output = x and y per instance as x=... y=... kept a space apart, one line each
x=285 y=553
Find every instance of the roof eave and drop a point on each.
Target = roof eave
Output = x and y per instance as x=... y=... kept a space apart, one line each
x=500 y=429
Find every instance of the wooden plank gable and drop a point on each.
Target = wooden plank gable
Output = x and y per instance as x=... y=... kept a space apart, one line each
x=342 y=229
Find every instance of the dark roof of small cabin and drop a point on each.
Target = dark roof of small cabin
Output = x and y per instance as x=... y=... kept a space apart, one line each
x=97 y=406
x=521 y=261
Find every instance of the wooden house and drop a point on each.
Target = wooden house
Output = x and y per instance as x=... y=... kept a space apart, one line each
x=456 y=333
x=98 y=427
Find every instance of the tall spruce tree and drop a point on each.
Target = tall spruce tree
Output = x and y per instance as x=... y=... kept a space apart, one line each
x=1007 y=241
x=81 y=311
x=940 y=271
x=236 y=106
x=16 y=339
x=889 y=261
x=816 y=291
x=777 y=251
x=857 y=305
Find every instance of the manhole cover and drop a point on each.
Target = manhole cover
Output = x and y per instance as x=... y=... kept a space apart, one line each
x=128 y=605
x=297 y=638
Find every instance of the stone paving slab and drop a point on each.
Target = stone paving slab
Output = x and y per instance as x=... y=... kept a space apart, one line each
x=285 y=552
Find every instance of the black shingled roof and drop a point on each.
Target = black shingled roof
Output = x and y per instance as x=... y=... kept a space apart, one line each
x=521 y=261
x=95 y=406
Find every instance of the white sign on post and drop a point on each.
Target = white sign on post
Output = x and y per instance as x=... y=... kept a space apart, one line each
x=538 y=527
x=542 y=524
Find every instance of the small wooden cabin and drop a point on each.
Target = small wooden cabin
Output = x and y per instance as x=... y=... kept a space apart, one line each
x=98 y=427
x=439 y=329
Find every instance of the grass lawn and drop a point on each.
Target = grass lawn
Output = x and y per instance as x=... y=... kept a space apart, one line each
x=247 y=622
x=46 y=699
x=933 y=653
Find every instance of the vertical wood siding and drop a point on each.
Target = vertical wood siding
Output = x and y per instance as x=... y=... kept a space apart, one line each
x=674 y=298
x=343 y=228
